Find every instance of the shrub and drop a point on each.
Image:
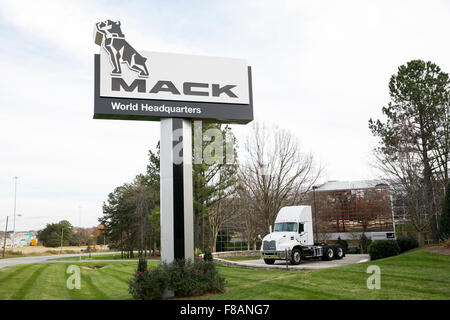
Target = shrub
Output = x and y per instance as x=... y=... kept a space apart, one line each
x=208 y=255
x=192 y=279
x=184 y=277
x=364 y=243
x=148 y=285
x=407 y=243
x=383 y=248
x=343 y=243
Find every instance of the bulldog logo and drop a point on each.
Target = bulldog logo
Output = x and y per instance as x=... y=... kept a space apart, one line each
x=110 y=36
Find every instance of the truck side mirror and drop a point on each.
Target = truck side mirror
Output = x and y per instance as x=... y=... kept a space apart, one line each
x=270 y=229
x=259 y=236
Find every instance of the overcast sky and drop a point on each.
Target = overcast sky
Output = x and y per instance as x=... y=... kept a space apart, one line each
x=320 y=69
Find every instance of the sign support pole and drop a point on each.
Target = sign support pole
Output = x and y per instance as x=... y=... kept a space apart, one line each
x=177 y=219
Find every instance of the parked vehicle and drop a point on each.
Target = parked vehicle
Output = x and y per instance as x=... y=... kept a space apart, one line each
x=293 y=236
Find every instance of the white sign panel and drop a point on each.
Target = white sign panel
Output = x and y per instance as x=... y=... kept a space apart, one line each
x=131 y=84
x=178 y=77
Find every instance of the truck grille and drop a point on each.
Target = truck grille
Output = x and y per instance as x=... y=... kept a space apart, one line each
x=269 y=245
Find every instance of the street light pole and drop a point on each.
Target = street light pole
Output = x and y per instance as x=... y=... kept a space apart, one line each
x=15 y=201
x=4 y=238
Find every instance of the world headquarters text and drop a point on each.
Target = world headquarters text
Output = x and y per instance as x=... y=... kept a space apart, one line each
x=153 y=108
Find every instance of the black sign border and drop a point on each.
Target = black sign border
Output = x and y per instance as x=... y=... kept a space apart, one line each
x=213 y=112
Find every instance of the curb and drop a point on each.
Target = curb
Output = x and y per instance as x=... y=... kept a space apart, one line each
x=237 y=264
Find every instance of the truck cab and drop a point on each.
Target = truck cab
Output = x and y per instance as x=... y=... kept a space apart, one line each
x=292 y=238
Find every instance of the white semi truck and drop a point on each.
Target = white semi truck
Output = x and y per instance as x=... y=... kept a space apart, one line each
x=292 y=235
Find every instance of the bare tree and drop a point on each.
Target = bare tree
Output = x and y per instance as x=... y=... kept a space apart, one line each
x=221 y=213
x=275 y=171
x=248 y=222
x=402 y=173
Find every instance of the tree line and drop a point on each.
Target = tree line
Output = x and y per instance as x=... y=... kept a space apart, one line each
x=244 y=194
x=272 y=171
x=63 y=233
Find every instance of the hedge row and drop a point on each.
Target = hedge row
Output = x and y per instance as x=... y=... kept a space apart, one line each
x=383 y=248
x=386 y=248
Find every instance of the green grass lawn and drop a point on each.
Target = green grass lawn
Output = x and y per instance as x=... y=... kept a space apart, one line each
x=48 y=281
x=414 y=275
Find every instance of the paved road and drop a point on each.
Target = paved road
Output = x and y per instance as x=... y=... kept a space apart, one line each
x=47 y=259
x=304 y=265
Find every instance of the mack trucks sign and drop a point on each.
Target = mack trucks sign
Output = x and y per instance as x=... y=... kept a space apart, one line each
x=143 y=85
x=174 y=89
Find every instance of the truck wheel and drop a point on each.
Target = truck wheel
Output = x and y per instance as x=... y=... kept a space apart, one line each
x=328 y=253
x=296 y=256
x=269 y=261
x=339 y=251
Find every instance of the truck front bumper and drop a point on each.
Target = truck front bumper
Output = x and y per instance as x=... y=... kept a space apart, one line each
x=277 y=255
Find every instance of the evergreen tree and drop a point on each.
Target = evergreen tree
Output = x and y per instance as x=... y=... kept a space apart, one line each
x=212 y=182
x=132 y=212
x=416 y=129
x=117 y=219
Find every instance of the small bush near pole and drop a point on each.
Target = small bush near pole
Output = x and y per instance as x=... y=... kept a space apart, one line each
x=184 y=277
x=383 y=248
x=148 y=284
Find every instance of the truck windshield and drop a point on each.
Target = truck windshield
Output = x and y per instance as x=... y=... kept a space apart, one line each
x=285 y=227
